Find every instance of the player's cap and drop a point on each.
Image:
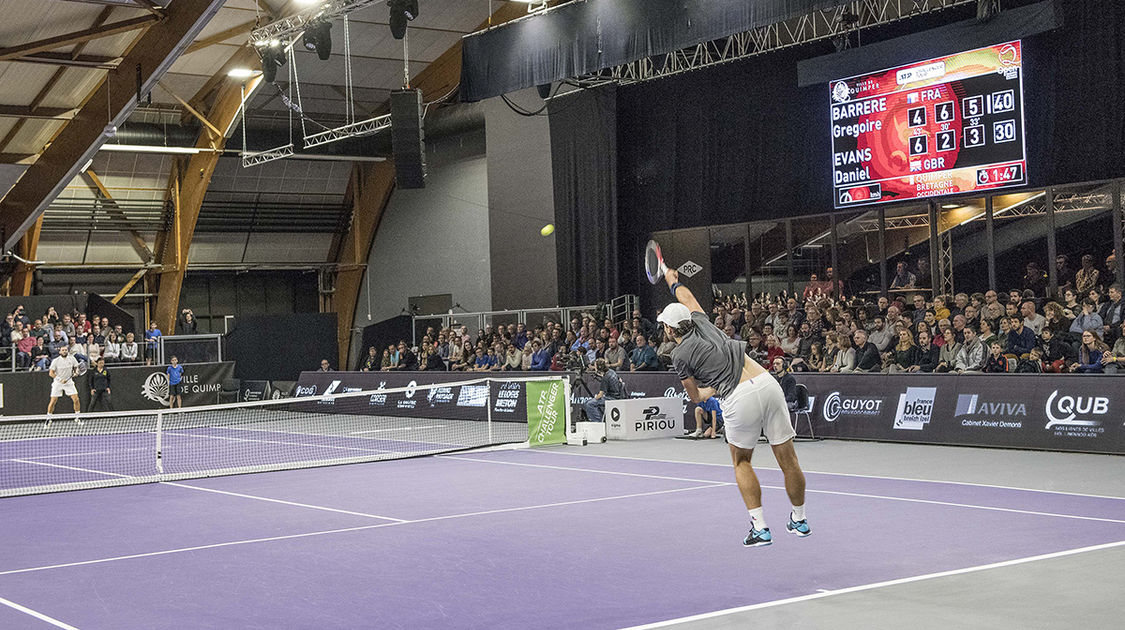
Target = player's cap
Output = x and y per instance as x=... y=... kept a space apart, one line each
x=674 y=314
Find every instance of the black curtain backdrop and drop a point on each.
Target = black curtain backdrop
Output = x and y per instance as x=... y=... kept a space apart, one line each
x=280 y=347
x=584 y=162
x=583 y=37
x=382 y=334
x=741 y=142
x=97 y=306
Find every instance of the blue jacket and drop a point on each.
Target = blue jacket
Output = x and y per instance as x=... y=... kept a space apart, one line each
x=541 y=360
x=645 y=358
x=1021 y=343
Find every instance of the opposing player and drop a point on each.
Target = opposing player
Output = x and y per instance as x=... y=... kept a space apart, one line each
x=709 y=363
x=62 y=370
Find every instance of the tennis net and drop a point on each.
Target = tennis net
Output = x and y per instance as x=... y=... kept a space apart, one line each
x=68 y=452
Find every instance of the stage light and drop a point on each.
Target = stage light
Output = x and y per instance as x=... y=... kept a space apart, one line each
x=402 y=11
x=987 y=9
x=273 y=57
x=241 y=73
x=318 y=38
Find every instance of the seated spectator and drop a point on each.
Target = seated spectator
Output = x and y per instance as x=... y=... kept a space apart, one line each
x=129 y=349
x=988 y=334
x=371 y=362
x=791 y=343
x=773 y=349
x=1090 y=354
x=1088 y=319
x=947 y=356
x=1071 y=305
x=928 y=353
x=867 y=356
x=1031 y=319
x=997 y=362
x=643 y=357
x=1112 y=313
x=664 y=352
x=844 y=360
x=24 y=348
x=919 y=312
x=939 y=309
x=971 y=355
x=905 y=357
x=483 y=361
x=815 y=362
x=615 y=356
x=1033 y=364
x=432 y=360
x=1056 y=353
x=40 y=356
x=1020 y=338
x=465 y=362
x=1055 y=319
x=525 y=356
x=112 y=350
x=881 y=335
x=1115 y=359
x=407 y=360
x=514 y=358
x=540 y=357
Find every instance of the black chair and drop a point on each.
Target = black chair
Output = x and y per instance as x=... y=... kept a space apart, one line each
x=803 y=407
x=230 y=390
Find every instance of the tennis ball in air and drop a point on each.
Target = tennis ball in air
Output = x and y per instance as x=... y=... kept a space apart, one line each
x=548 y=229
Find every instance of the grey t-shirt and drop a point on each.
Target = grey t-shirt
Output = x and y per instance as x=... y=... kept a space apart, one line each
x=709 y=356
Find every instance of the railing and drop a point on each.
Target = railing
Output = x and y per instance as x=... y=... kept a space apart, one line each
x=190 y=348
x=619 y=309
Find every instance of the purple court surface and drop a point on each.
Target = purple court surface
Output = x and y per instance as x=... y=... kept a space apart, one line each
x=556 y=538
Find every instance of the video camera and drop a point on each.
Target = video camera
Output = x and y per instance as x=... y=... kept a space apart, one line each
x=576 y=361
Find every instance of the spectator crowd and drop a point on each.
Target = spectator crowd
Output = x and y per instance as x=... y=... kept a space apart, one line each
x=31 y=343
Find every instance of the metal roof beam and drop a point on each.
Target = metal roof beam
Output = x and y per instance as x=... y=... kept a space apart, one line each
x=41 y=113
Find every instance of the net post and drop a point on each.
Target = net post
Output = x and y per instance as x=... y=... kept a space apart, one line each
x=159 y=442
x=570 y=428
x=489 y=402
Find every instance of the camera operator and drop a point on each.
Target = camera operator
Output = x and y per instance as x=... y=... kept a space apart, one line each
x=611 y=389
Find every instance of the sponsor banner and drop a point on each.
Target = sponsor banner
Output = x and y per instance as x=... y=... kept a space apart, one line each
x=506 y=398
x=134 y=387
x=1082 y=413
x=546 y=413
x=254 y=390
x=637 y=419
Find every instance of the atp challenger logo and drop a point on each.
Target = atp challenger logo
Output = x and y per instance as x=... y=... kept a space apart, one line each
x=548 y=408
x=155 y=388
x=836 y=406
x=1076 y=416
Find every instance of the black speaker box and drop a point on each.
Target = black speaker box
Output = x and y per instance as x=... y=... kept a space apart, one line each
x=408 y=138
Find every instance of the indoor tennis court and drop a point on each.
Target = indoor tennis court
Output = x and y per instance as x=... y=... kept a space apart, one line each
x=606 y=536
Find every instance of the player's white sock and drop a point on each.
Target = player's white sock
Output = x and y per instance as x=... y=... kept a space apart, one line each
x=758 y=518
x=798 y=513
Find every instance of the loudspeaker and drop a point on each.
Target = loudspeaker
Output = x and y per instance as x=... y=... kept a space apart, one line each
x=408 y=138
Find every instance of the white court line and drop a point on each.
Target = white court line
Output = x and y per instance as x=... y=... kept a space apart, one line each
x=875 y=585
x=89 y=470
x=234 y=439
x=115 y=452
x=269 y=500
x=841 y=474
x=808 y=490
x=330 y=435
x=425 y=426
x=38 y=615
x=585 y=470
x=355 y=529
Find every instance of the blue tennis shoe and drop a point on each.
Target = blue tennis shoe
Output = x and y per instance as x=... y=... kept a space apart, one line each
x=801 y=527
x=758 y=537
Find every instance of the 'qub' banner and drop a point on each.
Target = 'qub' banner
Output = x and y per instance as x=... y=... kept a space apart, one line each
x=546 y=413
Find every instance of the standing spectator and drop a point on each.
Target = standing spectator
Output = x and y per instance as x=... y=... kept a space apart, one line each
x=1090 y=354
x=643 y=357
x=175 y=373
x=1063 y=272
x=152 y=335
x=62 y=370
x=1087 y=277
x=100 y=387
x=129 y=349
x=185 y=323
x=1035 y=279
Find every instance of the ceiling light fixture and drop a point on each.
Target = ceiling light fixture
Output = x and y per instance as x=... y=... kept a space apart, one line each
x=242 y=73
x=402 y=11
x=318 y=38
x=150 y=148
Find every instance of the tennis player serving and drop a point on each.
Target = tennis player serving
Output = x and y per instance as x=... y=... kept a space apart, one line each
x=709 y=363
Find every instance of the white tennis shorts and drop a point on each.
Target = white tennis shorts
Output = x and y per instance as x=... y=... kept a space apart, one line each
x=58 y=389
x=755 y=407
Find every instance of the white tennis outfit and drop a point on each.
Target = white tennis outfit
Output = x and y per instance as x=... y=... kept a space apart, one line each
x=757 y=407
x=64 y=368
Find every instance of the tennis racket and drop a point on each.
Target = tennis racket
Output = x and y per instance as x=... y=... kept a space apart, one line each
x=81 y=369
x=654 y=262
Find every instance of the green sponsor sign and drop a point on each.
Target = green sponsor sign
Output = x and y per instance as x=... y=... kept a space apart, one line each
x=546 y=413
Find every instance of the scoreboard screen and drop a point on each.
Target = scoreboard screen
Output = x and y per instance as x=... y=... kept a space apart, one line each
x=939 y=127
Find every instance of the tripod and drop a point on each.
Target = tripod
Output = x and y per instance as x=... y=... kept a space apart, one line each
x=577 y=383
